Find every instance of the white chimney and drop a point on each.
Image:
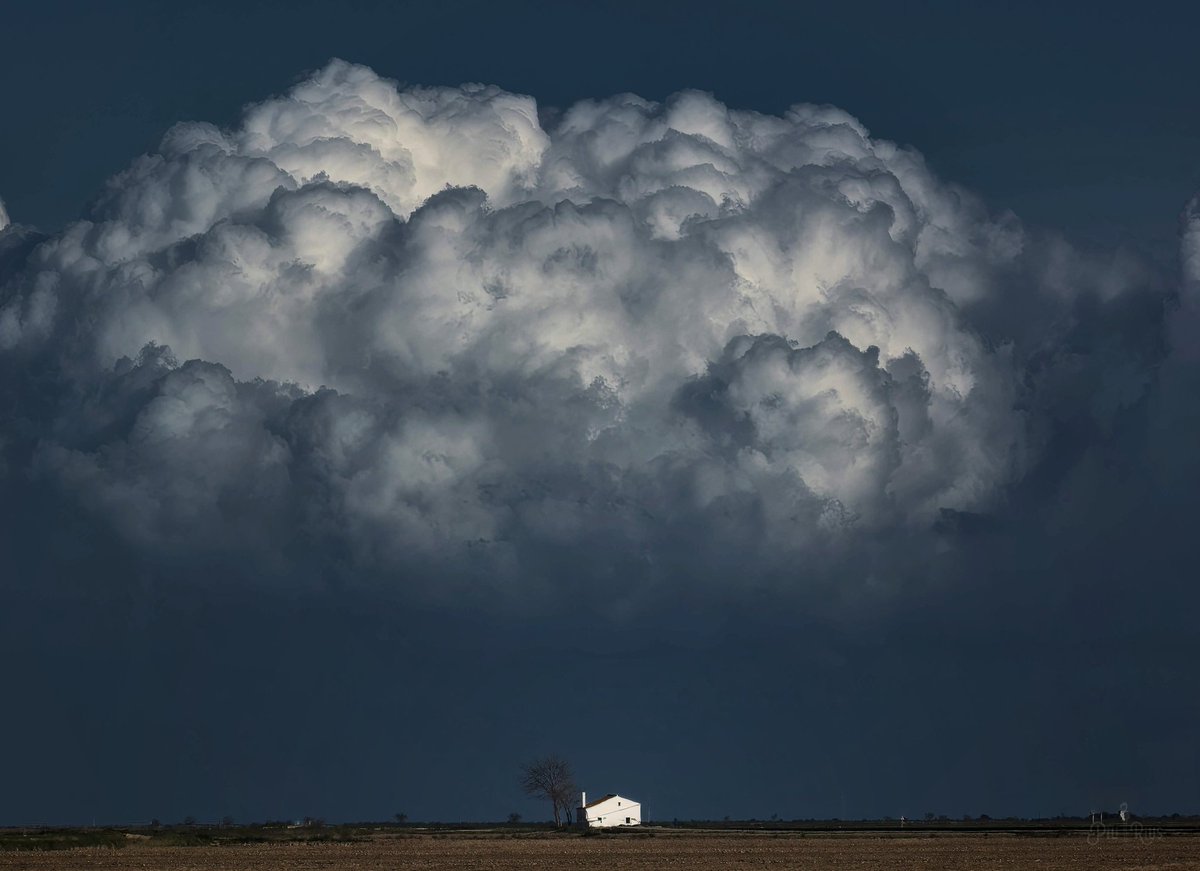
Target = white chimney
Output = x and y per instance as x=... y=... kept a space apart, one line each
x=583 y=799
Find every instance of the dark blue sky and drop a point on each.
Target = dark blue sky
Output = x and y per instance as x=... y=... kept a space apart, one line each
x=1036 y=657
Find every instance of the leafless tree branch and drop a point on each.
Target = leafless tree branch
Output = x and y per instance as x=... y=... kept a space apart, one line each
x=550 y=777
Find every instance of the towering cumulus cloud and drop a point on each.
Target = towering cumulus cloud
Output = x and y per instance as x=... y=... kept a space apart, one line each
x=412 y=334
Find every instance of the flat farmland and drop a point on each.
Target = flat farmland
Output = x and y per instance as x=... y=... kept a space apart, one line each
x=690 y=851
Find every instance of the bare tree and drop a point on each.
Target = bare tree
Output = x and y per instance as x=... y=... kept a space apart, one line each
x=550 y=777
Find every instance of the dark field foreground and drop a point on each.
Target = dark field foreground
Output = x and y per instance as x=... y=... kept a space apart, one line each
x=684 y=851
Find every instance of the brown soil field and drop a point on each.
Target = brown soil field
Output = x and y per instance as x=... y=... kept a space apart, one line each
x=682 y=851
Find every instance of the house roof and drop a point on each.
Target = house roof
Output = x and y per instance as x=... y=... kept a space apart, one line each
x=606 y=798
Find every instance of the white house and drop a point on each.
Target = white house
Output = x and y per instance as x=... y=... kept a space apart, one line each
x=612 y=810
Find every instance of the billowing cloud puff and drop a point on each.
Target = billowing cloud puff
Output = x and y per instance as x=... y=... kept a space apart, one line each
x=423 y=334
x=1186 y=319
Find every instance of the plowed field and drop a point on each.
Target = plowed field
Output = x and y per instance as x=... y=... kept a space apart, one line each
x=683 y=851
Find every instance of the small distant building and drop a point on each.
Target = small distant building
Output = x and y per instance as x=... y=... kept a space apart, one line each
x=612 y=810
